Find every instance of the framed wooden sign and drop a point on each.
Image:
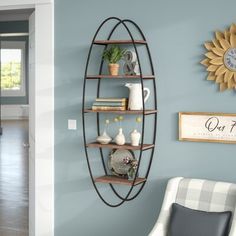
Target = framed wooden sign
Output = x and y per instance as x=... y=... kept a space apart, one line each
x=207 y=127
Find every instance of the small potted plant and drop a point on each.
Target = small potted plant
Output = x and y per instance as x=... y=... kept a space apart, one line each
x=112 y=55
x=133 y=165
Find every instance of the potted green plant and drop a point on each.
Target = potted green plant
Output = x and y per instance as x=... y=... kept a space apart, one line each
x=133 y=165
x=112 y=55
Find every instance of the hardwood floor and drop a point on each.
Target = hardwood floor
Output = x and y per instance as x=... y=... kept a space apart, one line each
x=14 y=179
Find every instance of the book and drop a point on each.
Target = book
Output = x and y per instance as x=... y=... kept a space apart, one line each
x=112 y=104
x=111 y=99
x=106 y=108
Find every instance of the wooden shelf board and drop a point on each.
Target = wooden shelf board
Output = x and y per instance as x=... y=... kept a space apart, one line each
x=146 y=77
x=105 y=42
x=110 y=179
x=127 y=112
x=127 y=146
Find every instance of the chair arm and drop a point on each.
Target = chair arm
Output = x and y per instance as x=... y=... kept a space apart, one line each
x=161 y=226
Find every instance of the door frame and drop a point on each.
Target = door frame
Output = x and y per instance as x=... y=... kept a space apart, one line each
x=42 y=206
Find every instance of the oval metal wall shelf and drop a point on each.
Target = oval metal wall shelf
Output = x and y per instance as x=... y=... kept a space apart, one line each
x=111 y=180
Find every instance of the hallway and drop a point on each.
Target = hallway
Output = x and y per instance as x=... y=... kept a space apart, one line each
x=14 y=179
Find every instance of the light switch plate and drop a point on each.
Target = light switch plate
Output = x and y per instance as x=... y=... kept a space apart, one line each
x=72 y=124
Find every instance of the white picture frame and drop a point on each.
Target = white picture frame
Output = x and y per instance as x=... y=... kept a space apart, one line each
x=207 y=127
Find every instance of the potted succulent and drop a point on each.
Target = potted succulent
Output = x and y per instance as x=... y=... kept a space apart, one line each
x=112 y=55
x=133 y=165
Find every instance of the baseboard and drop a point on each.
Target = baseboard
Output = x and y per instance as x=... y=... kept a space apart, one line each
x=15 y=112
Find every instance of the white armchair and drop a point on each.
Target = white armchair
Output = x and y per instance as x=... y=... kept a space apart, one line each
x=197 y=194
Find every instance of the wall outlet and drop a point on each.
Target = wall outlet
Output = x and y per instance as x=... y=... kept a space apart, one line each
x=72 y=124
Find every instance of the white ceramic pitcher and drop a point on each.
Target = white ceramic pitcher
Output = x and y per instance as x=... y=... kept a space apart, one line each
x=135 y=95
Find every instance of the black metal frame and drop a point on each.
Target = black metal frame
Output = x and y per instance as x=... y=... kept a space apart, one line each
x=127 y=197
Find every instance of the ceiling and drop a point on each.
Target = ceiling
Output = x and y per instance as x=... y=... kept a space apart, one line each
x=15 y=15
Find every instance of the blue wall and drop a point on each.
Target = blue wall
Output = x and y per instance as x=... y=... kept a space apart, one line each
x=17 y=27
x=176 y=31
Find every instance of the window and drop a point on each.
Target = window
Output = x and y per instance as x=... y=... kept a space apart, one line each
x=13 y=68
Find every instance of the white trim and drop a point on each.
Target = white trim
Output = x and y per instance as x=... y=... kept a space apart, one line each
x=15 y=112
x=17 y=45
x=21 y=4
x=44 y=109
x=13 y=34
x=44 y=119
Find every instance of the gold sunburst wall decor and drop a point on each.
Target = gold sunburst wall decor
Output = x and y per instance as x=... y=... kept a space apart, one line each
x=221 y=58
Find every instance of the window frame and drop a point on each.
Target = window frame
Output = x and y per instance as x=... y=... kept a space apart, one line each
x=22 y=46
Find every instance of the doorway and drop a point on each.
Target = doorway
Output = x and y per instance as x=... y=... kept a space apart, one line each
x=14 y=141
x=41 y=131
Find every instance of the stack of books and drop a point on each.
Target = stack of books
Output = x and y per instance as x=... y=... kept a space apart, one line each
x=110 y=104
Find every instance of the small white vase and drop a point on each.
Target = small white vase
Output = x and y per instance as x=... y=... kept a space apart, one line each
x=104 y=138
x=135 y=137
x=120 y=138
